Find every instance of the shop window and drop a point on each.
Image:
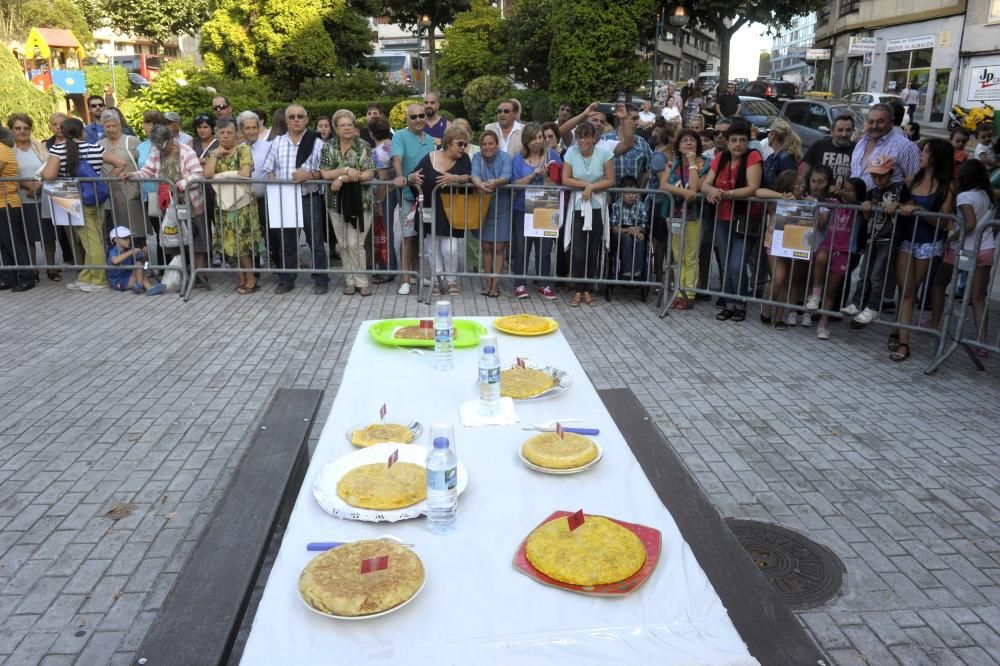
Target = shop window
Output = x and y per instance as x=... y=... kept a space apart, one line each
x=849 y=7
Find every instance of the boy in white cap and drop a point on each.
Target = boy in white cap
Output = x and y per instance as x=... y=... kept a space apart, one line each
x=123 y=254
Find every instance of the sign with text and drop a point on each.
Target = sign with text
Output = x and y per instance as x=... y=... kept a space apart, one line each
x=794 y=222
x=860 y=45
x=817 y=54
x=910 y=43
x=984 y=83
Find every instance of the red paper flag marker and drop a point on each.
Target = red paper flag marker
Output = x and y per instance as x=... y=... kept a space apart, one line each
x=393 y=458
x=575 y=520
x=520 y=362
x=375 y=564
x=560 y=431
x=381 y=412
x=381 y=562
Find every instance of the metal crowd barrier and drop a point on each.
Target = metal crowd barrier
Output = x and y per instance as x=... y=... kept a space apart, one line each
x=55 y=215
x=979 y=277
x=283 y=213
x=488 y=239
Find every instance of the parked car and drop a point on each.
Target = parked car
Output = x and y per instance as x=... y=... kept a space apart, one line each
x=758 y=112
x=138 y=81
x=773 y=90
x=871 y=99
x=812 y=119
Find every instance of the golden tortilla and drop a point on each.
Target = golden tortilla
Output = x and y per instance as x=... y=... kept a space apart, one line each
x=549 y=450
x=333 y=583
x=596 y=553
x=380 y=487
x=417 y=333
x=378 y=433
x=523 y=323
x=520 y=383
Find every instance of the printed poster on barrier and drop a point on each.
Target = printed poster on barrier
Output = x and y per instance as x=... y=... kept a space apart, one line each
x=67 y=210
x=542 y=213
x=794 y=226
x=284 y=206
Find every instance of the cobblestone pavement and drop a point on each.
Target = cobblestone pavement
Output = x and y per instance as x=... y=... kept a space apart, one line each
x=109 y=399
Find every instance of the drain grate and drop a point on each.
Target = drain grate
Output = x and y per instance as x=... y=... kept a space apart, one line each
x=804 y=573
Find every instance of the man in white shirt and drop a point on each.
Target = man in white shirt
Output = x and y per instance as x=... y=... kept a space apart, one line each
x=507 y=128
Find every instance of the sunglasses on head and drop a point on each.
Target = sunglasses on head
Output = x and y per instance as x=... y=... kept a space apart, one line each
x=296 y=116
x=414 y=116
x=220 y=107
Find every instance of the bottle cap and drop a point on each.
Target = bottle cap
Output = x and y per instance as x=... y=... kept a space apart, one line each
x=443 y=308
x=441 y=443
x=489 y=349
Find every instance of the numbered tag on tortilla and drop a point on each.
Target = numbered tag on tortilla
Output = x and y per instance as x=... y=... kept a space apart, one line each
x=574 y=520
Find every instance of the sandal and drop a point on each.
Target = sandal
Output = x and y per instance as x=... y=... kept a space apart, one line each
x=764 y=319
x=588 y=298
x=780 y=326
x=680 y=303
x=739 y=315
x=893 y=343
x=485 y=291
x=494 y=293
x=576 y=300
x=900 y=355
x=724 y=314
x=244 y=290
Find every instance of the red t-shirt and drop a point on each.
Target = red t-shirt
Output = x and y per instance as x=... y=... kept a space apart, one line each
x=726 y=180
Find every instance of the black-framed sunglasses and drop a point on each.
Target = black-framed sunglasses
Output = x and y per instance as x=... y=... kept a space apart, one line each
x=98 y=105
x=415 y=116
x=220 y=107
x=461 y=144
x=505 y=110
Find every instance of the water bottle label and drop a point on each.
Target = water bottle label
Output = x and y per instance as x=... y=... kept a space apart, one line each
x=442 y=479
x=442 y=335
x=489 y=375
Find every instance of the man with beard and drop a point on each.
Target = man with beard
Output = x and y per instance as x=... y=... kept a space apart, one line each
x=834 y=151
x=434 y=123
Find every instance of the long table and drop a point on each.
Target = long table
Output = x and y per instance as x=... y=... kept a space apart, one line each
x=475 y=607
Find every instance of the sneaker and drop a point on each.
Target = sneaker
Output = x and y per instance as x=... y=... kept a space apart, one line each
x=865 y=317
x=823 y=333
x=74 y=285
x=851 y=310
x=812 y=303
x=521 y=292
x=547 y=292
x=87 y=287
x=790 y=319
x=404 y=289
x=806 y=320
x=137 y=289
x=156 y=289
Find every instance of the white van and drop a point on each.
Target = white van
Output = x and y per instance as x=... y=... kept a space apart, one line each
x=403 y=67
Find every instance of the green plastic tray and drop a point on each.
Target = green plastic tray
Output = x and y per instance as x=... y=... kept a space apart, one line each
x=467 y=333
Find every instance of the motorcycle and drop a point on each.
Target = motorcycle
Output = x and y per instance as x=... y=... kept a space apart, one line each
x=970 y=119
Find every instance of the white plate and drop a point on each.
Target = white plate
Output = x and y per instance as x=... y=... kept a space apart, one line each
x=561 y=378
x=571 y=470
x=365 y=617
x=325 y=486
x=416 y=428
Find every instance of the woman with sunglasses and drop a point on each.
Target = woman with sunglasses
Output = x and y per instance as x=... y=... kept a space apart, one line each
x=448 y=166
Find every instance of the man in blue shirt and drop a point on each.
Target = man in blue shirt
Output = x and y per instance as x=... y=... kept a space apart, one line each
x=94 y=131
x=409 y=147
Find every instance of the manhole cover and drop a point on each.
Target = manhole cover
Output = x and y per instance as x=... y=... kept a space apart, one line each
x=804 y=573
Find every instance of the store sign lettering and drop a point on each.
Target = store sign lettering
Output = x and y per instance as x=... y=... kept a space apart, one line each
x=910 y=43
x=985 y=83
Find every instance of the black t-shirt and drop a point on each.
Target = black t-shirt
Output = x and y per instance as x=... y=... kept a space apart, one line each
x=462 y=167
x=837 y=158
x=728 y=104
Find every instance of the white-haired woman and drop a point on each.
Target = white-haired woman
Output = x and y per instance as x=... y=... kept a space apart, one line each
x=347 y=161
x=126 y=208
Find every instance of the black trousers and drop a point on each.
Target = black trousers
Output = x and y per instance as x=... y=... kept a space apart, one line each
x=585 y=248
x=15 y=262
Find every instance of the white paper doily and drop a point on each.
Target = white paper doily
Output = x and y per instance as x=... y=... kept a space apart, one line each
x=325 y=486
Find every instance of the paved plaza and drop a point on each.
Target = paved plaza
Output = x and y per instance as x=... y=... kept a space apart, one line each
x=122 y=419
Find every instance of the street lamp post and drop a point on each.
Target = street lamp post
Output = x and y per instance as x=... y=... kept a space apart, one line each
x=679 y=18
x=656 y=50
x=425 y=28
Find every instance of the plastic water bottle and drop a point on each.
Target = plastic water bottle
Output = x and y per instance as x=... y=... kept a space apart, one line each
x=444 y=345
x=442 y=487
x=489 y=377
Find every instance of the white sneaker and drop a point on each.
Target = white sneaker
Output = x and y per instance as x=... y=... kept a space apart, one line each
x=404 y=289
x=790 y=319
x=851 y=310
x=74 y=285
x=823 y=333
x=866 y=316
x=812 y=303
x=87 y=287
x=806 y=320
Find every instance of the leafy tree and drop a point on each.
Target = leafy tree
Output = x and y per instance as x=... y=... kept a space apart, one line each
x=725 y=17
x=480 y=91
x=99 y=76
x=157 y=20
x=593 y=50
x=472 y=48
x=20 y=96
x=527 y=37
x=63 y=14
x=408 y=13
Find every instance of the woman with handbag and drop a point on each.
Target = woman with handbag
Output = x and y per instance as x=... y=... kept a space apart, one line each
x=491 y=168
x=237 y=227
x=735 y=173
x=347 y=161
x=126 y=203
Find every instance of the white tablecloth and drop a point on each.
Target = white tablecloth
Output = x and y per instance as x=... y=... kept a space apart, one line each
x=476 y=608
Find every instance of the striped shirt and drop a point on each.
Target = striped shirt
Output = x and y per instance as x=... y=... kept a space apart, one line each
x=190 y=169
x=896 y=145
x=92 y=152
x=281 y=161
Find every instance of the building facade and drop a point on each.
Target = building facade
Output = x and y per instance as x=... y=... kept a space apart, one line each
x=979 y=79
x=883 y=45
x=684 y=53
x=788 y=50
